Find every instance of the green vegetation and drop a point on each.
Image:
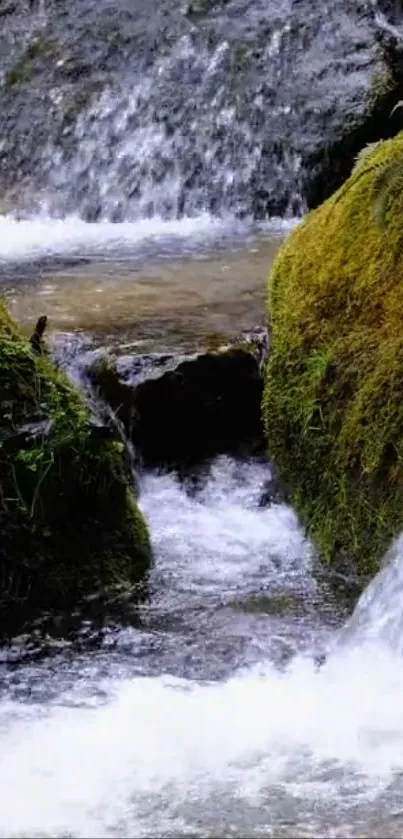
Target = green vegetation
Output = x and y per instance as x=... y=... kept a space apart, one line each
x=389 y=178
x=69 y=524
x=333 y=404
x=200 y=8
x=23 y=70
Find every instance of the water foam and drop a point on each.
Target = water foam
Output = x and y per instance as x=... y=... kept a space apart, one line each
x=45 y=237
x=154 y=759
x=220 y=542
x=302 y=751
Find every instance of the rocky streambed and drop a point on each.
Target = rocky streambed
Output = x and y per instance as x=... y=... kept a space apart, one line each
x=207 y=705
x=196 y=395
x=232 y=588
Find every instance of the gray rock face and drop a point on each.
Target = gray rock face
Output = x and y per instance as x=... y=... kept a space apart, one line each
x=122 y=110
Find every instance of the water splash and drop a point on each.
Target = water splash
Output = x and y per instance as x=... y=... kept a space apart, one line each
x=378 y=617
x=261 y=753
x=265 y=751
x=46 y=238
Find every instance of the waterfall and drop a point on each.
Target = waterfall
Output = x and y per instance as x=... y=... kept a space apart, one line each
x=206 y=108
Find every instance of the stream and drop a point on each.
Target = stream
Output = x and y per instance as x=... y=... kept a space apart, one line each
x=213 y=714
x=151 y=165
x=240 y=699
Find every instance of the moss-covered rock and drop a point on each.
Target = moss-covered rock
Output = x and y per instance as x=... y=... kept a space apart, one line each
x=333 y=405
x=69 y=523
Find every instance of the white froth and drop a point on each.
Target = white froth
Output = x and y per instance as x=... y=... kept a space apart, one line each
x=32 y=239
x=162 y=746
x=306 y=750
x=38 y=238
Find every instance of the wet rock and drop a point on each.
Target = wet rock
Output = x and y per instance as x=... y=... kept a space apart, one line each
x=327 y=166
x=26 y=435
x=7 y=8
x=36 y=340
x=270 y=83
x=198 y=8
x=272 y=492
x=206 y=405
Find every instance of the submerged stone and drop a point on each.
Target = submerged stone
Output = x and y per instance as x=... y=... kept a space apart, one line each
x=69 y=523
x=333 y=404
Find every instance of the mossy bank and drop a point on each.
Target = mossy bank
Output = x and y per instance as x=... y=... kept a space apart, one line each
x=333 y=405
x=69 y=523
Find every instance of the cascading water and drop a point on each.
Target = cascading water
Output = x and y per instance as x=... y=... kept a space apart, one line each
x=173 y=110
x=212 y=718
x=179 y=143
x=169 y=124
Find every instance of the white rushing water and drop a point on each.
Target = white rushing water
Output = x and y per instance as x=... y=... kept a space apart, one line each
x=266 y=751
x=42 y=237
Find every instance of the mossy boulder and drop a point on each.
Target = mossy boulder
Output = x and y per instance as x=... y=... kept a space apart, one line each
x=333 y=401
x=69 y=523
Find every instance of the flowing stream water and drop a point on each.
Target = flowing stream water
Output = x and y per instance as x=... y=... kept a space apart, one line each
x=214 y=715
x=241 y=698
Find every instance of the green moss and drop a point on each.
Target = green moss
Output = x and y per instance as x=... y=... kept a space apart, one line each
x=382 y=85
x=69 y=523
x=200 y=8
x=333 y=404
x=23 y=70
